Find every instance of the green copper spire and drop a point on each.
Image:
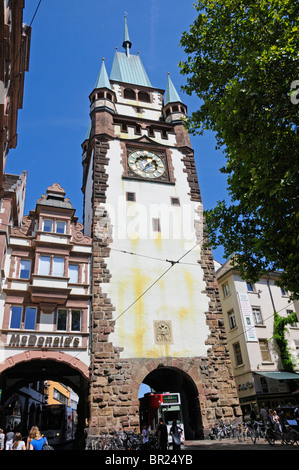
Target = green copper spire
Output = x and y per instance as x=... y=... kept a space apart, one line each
x=103 y=80
x=128 y=68
x=127 y=43
x=171 y=95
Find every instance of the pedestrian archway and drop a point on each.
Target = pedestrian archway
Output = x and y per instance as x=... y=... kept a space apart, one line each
x=25 y=368
x=171 y=379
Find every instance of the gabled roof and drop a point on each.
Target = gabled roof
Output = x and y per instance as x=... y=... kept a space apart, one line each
x=129 y=69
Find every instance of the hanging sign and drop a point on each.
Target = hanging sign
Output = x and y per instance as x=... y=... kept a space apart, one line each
x=247 y=317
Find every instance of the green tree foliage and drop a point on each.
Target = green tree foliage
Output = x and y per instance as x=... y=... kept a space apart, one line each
x=243 y=64
x=280 y=330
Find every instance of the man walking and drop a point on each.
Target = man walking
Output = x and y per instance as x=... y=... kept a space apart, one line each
x=162 y=435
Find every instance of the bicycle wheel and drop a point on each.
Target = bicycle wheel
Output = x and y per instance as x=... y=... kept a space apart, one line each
x=239 y=434
x=270 y=438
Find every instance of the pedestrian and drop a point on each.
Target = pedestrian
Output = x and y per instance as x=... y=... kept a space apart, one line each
x=38 y=441
x=18 y=443
x=2 y=439
x=31 y=436
x=162 y=435
x=145 y=436
x=175 y=432
x=264 y=414
x=282 y=418
x=253 y=415
x=276 y=420
x=9 y=439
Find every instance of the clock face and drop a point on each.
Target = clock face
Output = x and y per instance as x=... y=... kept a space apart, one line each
x=146 y=164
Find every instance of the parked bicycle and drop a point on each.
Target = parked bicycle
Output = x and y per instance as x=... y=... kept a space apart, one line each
x=257 y=431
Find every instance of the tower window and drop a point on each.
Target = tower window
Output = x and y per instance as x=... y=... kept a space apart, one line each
x=143 y=96
x=175 y=201
x=129 y=94
x=131 y=197
x=156 y=225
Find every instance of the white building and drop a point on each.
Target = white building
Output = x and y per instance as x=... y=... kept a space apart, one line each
x=248 y=311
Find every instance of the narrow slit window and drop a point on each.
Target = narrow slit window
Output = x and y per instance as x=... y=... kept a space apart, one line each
x=175 y=201
x=156 y=225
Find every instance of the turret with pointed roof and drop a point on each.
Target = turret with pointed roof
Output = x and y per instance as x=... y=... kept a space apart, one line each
x=174 y=109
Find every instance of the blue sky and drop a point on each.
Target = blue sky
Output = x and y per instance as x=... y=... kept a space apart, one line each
x=69 y=40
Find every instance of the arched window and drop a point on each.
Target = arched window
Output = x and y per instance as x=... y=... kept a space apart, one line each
x=129 y=94
x=143 y=96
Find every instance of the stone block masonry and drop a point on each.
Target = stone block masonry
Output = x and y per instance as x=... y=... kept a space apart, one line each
x=115 y=381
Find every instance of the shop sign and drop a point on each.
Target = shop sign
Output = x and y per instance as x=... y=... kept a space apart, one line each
x=43 y=341
x=247 y=317
x=245 y=386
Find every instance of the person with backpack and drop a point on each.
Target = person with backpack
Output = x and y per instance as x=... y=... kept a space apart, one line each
x=38 y=442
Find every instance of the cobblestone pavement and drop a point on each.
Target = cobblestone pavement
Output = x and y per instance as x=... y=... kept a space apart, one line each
x=233 y=444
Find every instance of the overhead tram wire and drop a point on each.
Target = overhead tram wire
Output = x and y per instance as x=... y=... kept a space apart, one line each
x=150 y=257
x=173 y=263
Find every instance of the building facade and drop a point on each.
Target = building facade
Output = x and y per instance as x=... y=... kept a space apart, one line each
x=248 y=310
x=14 y=62
x=45 y=302
x=156 y=313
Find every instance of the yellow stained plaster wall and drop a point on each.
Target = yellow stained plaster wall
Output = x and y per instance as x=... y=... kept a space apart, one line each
x=177 y=297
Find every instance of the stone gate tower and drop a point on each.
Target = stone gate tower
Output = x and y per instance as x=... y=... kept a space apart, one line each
x=156 y=314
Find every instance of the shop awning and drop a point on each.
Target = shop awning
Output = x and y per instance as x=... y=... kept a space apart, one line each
x=279 y=375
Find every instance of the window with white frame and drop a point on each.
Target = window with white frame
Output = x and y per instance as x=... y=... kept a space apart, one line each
x=264 y=348
x=73 y=273
x=30 y=318
x=15 y=317
x=16 y=314
x=25 y=268
x=249 y=286
x=51 y=265
x=232 y=320
x=75 y=320
x=226 y=290
x=58 y=266
x=48 y=225
x=54 y=226
x=256 y=311
x=44 y=265
x=60 y=227
x=62 y=317
x=68 y=319
x=238 y=354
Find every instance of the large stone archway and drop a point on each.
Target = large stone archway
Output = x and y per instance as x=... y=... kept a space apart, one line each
x=29 y=366
x=173 y=379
